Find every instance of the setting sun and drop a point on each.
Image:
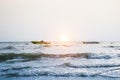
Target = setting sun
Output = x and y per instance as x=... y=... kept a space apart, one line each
x=64 y=38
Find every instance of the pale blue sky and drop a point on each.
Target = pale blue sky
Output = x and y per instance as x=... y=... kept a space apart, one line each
x=49 y=19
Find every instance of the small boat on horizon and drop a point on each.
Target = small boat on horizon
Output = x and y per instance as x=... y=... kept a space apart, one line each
x=90 y=42
x=40 y=42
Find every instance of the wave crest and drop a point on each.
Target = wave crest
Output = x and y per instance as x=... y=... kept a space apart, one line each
x=33 y=56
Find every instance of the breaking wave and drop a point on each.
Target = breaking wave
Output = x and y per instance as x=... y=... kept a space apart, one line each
x=32 y=56
x=90 y=66
x=28 y=72
x=8 y=48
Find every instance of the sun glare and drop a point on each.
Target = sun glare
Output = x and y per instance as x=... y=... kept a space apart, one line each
x=64 y=38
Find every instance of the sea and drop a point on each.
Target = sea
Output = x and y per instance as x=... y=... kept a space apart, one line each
x=60 y=61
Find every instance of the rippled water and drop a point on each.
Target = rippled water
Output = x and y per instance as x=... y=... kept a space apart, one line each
x=59 y=61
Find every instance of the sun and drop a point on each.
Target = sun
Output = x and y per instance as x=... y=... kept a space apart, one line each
x=64 y=38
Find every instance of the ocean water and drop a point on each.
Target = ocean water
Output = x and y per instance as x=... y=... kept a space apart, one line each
x=59 y=61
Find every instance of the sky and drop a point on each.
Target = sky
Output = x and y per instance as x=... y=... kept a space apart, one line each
x=26 y=20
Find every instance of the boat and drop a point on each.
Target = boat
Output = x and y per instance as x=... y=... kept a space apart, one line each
x=90 y=42
x=40 y=42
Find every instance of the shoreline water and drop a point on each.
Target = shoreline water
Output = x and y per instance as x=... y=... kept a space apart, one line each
x=59 y=61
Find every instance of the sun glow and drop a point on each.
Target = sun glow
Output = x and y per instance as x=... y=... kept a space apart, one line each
x=64 y=38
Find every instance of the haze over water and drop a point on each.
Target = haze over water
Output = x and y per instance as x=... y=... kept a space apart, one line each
x=26 y=20
x=66 y=24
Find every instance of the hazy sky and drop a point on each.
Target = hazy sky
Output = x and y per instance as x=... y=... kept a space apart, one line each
x=49 y=19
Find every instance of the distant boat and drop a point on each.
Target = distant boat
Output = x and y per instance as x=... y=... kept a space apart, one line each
x=40 y=42
x=90 y=42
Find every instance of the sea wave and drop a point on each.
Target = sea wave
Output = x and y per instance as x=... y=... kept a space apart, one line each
x=8 y=48
x=28 y=72
x=33 y=56
x=89 y=66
